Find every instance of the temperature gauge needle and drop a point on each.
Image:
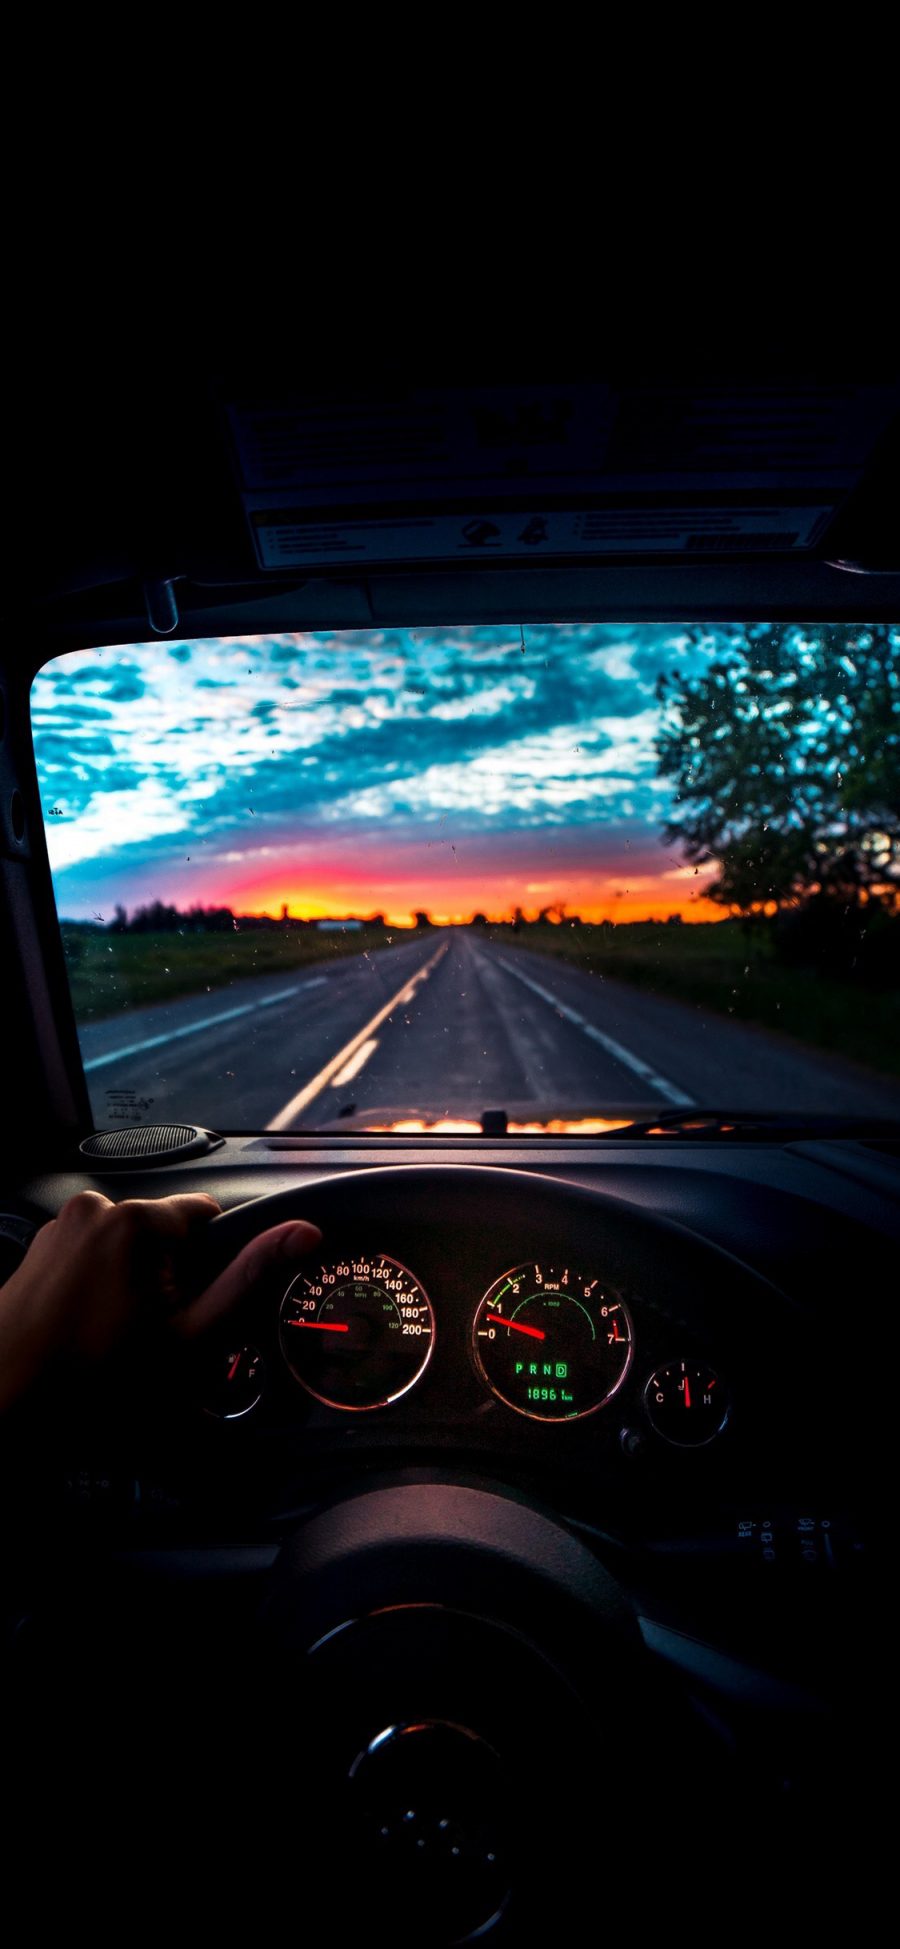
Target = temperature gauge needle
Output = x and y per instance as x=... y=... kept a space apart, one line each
x=687 y=1392
x=321 y=1326
x=533 y=1332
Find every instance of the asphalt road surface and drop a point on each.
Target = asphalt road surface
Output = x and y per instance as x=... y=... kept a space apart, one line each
x=447 y=1025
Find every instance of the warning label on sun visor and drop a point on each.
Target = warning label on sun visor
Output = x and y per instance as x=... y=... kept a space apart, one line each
x=285 y=538
x=414 y=475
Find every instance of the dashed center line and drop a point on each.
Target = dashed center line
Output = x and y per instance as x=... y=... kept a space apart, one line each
x=335 y=1070
x=356 y=1063
x=670 y=1091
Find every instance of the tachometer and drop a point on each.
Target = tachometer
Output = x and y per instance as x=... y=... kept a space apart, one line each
x=356 y=1332
x=552 y=1342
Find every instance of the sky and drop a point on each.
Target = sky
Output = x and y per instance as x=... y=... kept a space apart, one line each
x=456 y=770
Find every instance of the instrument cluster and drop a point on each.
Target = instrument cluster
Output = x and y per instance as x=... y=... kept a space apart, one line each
x=552 y=1341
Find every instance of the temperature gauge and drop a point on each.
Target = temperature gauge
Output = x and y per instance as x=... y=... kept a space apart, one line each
x=686 y=1403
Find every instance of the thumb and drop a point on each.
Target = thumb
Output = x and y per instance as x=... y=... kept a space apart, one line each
x=282 y=1243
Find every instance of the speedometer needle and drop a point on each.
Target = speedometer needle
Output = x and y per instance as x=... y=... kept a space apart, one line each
x=321 y=1326
x=533 y=1332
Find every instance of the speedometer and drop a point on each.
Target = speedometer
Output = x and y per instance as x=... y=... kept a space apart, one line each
x=552 y=1342
x=356 y=1332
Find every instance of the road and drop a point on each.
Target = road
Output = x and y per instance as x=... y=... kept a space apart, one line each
x=447 y=1024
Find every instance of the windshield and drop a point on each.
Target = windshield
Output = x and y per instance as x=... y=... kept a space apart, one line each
x=398 y=879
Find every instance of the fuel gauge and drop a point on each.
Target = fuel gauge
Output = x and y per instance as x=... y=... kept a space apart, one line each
x=686 y=1403
x=233 y=1383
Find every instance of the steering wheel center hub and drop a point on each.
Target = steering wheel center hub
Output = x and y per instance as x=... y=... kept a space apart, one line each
x=432 y=1801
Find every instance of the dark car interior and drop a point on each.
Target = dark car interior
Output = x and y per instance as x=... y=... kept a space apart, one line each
x=446 y=1671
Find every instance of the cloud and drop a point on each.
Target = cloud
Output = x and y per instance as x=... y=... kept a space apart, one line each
x=149 y=811
x=370 y=731
x=126 y=690
x=63 y=715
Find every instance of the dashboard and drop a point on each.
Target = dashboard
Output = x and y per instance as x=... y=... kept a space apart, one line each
x=651 y=1342
x=503 y=1374
x=444 y=1317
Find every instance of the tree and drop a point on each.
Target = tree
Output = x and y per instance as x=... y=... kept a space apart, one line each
x=157 y=918
x=785 y=756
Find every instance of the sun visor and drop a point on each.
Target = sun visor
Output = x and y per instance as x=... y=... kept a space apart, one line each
x=518 y=473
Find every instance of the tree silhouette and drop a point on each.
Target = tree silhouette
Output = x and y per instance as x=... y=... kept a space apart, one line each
x=785 y=756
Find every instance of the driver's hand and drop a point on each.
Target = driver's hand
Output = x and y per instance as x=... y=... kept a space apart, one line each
x=92 y=1271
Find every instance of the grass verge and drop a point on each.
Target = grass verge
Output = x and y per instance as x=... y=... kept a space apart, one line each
x=112 y=972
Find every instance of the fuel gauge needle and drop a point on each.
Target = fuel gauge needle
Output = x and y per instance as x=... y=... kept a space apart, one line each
x=234 y=1366
x=533 y=1332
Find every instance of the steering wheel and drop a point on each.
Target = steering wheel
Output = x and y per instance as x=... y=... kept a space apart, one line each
x=430 y=1712
x=474 y=1699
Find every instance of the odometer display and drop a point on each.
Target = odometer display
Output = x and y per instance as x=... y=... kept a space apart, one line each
x=356 y=1332
x=551 y=1341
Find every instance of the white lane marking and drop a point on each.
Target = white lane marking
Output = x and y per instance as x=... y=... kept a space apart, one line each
x=171 y=1035
x=194 y=1028
x=326 y=1075
x=356 y=1063
x=670 y=1091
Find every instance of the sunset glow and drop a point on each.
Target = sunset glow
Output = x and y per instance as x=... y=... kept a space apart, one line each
x=452 y=771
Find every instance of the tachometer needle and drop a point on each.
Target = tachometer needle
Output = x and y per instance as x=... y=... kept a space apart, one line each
x=322 y=1326
x=533 y=1332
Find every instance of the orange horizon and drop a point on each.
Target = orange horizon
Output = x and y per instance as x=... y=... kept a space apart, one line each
x=626 y=908
x=639 y=881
